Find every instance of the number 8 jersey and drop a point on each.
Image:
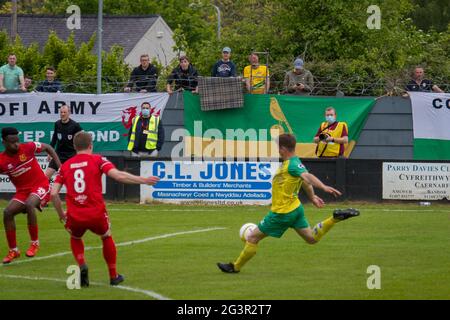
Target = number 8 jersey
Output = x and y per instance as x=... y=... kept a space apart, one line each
x=82 y=176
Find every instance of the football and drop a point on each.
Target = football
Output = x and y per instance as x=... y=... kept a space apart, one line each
x=245 y=230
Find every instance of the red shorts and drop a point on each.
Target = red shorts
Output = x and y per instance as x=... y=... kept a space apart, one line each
x=42 y=191
x=98 y=225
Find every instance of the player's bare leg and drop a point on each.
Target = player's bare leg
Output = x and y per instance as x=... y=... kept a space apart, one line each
x=31 y=204
x=14 y=208
x=247 y=253
x=312 y=236
x=307 y=235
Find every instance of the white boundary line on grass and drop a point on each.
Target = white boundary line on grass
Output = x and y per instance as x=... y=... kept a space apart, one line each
x=126 y=288
x=161 y=210
x=121 y=244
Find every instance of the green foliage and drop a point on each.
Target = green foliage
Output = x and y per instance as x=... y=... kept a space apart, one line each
x=330 y=35
x=431 y=14
x=76 y=66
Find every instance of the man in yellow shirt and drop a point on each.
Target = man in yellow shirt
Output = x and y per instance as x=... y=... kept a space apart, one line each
x=287 y=211
x=331 y=137
x=257 y=77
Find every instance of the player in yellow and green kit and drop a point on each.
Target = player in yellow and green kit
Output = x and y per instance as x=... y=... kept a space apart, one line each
x=287 y=211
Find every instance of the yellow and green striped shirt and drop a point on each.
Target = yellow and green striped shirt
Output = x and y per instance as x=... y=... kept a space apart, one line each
x=286 y=185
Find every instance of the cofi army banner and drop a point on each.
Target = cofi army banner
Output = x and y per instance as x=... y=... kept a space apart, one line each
x=107 y=117
x=262 y=118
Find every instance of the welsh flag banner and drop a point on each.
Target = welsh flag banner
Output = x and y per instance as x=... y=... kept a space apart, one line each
x=217 y=133
x=431 y=122
x=107 y=117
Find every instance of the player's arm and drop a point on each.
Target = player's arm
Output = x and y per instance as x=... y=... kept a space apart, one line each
x=53 y=142
x=57 y=201
x=54 y=138
x=128 y=178
x=51 y=152
x=309 y=190
x=315 y=182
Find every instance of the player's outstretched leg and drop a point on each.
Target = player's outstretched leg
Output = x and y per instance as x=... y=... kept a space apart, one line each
x=13 y=208
x=31 y=204
x=344 y=214
x=323 y=227
x=247 y=253
x=110 y=255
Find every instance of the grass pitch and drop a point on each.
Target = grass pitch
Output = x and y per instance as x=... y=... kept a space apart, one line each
x=169 y=251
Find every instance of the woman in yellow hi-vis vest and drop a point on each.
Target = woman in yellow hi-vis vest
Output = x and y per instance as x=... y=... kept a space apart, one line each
x=331 y=136
x=146 y=134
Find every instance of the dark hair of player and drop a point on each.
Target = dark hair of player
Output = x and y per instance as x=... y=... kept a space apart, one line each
x=7 y=131
x=287 y=141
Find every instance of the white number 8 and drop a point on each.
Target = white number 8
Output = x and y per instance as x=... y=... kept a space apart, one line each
x=80 y=184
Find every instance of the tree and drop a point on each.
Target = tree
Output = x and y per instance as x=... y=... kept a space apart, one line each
x=431 y=14
x=330 y=35
x=76 y=66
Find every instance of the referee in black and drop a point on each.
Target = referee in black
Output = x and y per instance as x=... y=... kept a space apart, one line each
x=65 y=130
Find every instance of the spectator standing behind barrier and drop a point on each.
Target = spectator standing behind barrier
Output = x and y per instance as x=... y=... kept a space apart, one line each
x=224 y=68
x=331 y=136
x=256 y=76
x=50 y=84
x=185 y=77
x=419 y=83
x=63 y=134
x=28 y=83
x=11 y=76
x=299 y=81
x=143 y=77
x=146 y=135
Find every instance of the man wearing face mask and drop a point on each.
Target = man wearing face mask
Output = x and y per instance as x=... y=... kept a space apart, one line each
x=146 y=135
x=331 y=136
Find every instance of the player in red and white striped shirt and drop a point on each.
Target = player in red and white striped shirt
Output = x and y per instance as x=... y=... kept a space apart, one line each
x=19 y=163
x=86 y=208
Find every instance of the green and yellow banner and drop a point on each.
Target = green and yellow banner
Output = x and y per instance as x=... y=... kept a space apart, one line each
x=249 y=131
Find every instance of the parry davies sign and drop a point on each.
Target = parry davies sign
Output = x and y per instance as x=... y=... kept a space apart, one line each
x=208 y=181
x=7 y=187
x=416 y=181
x=108 y=117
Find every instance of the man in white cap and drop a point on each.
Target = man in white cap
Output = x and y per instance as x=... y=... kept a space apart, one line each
x=224 y=68
x=299 y=81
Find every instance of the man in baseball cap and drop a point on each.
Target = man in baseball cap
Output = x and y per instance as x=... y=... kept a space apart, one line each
x=225 y=67
x=299 y=81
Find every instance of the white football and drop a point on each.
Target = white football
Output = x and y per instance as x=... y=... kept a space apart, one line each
x=245 y=230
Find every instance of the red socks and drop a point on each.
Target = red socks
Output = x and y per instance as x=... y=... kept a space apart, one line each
x=110 y=254
x=11 y=237
x=77 y=246
x=33 y=231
